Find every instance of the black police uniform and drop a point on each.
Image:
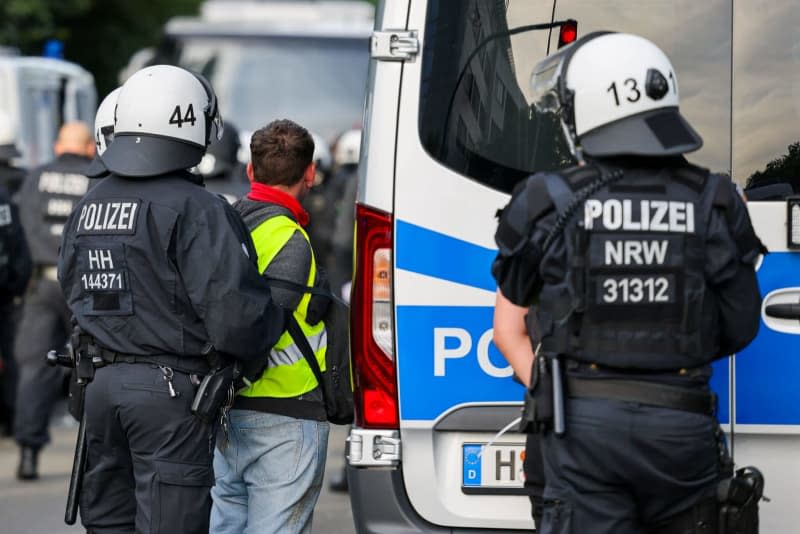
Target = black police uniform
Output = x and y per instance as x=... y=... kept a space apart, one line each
x=642 y=286
x=11 y=177
x=15 y=270
x=154 y=269
x=46 y=199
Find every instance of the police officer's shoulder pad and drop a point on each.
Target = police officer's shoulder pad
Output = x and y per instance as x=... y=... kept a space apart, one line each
x=692 y=176
x=529 y=202
x=578 y=177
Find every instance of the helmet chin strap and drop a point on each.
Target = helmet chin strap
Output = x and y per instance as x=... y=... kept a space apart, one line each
x=574 y=148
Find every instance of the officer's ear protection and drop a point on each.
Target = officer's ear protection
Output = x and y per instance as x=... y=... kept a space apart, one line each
x=211 y=111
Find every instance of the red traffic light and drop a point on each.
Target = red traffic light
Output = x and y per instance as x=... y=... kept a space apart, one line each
x=568 y=32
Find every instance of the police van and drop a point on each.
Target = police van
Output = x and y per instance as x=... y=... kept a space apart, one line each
x=448 y=131
x=39 y=95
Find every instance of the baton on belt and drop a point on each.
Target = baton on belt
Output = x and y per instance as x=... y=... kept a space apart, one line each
x=558 y=397
x=79 y=460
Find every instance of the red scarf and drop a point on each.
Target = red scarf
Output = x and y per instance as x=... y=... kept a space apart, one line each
x=266 y=193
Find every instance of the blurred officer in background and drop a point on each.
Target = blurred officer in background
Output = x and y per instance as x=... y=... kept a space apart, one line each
x=641 y=267
x=316 y=202
x=340 y=262
x=220 y=168
x=161 y=277
x=46 y=199
x=11 y=177
x=15 y=270
x=342 y=198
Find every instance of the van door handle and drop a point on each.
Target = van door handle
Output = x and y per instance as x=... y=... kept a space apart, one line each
x=783 y=311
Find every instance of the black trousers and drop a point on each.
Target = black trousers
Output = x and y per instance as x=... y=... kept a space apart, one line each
x=533 y=466
x=8 y=371
x=44 y=325
x=622 y=467
x=149 y=463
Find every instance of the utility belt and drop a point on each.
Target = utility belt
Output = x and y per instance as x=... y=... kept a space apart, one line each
x=648 y=393
x=544 y=410
x=188 y=365
x=215 y=390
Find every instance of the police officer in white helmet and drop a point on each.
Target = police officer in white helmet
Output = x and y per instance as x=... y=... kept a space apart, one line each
x=641 y=267
x=160 y=276
x=104 y=121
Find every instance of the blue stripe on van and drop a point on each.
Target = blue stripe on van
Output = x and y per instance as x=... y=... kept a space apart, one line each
x=430 y=253
x=466 y=375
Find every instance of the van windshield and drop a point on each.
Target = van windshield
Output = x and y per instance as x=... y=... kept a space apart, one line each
x=481 y=123
x=316 y=81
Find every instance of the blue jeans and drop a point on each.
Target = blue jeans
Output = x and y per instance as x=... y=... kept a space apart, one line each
x=269 y=476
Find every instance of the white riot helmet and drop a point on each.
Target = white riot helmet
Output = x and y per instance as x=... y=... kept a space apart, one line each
x=322 y=153
x=348 y=148
x=616 y=94
x=165 y=118
x=104 y=121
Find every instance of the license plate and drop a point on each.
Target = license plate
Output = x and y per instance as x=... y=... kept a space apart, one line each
x=497 y=466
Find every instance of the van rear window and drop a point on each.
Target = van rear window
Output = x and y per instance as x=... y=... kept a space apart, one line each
x=477 y=117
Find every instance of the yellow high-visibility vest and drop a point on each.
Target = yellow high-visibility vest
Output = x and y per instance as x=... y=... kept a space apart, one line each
x=287 y=374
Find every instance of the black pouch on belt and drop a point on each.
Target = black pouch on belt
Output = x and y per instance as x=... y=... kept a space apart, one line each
x=738 y=501
x=527 y=423
x=213 y=393
x=537 y=410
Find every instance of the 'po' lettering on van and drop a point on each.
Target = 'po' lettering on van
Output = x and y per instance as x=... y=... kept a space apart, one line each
x=648 y=216
x=108 y=217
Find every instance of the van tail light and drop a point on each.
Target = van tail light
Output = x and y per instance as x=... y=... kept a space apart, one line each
x=371 y=324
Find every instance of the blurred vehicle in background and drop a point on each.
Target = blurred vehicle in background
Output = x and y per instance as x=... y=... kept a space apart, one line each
x=302 y=60
x=306 y=61
x=39 y=95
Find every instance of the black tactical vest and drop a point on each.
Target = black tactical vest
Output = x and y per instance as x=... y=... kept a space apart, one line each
x=634 y=293
x=48 y=196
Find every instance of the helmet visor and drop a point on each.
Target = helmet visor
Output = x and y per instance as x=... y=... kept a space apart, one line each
x=658 y=132
x=544 y=83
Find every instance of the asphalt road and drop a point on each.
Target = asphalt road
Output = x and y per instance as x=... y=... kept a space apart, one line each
x=38 y=507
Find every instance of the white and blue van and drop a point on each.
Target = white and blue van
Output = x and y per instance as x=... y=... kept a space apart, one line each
x=40 y=94
x=448 y=130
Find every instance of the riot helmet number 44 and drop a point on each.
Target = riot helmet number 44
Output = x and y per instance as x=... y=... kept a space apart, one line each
x=165 y=117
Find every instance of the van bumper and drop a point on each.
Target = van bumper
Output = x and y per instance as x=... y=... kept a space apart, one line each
x=381 y=506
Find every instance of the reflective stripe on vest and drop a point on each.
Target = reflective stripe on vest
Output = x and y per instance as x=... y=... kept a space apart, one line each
x=287 y=373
